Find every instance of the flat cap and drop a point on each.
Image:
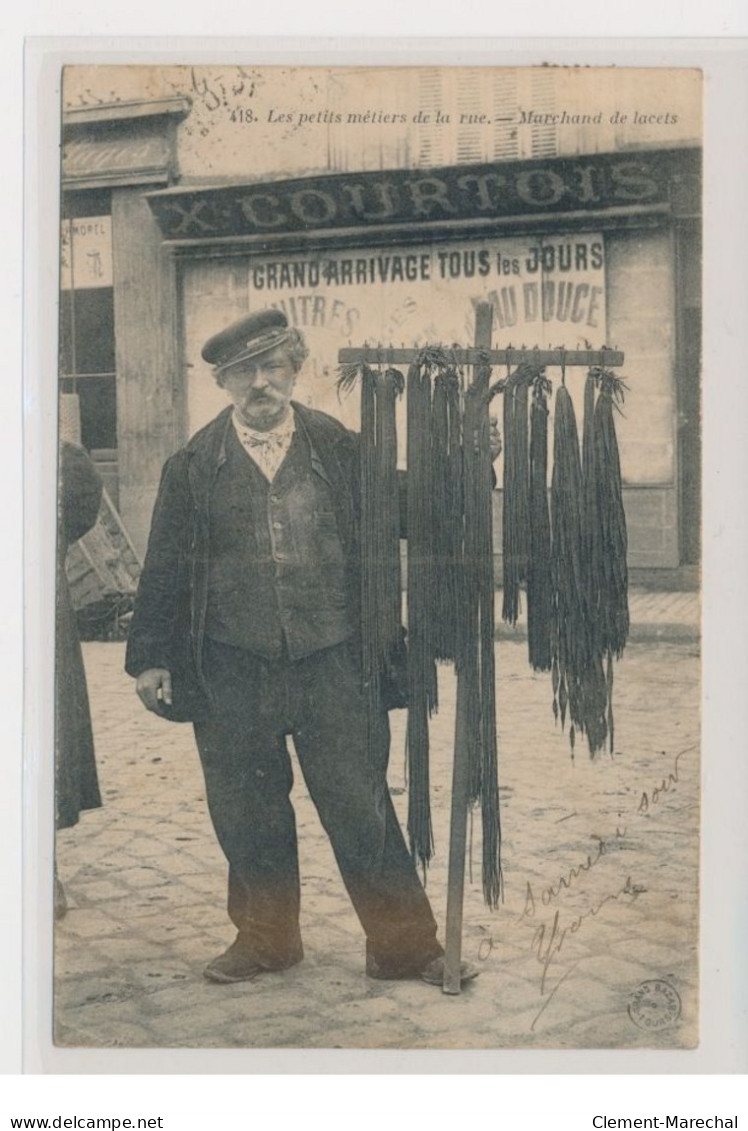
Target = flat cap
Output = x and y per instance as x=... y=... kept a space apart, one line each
x=252 y=335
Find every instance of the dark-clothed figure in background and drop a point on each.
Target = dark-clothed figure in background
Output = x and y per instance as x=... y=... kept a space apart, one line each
x=247 y=622
x=76 y=782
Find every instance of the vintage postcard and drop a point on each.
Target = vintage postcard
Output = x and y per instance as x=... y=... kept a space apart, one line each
x=377 y=665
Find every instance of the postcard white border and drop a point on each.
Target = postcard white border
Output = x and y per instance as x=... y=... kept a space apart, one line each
x=724 y=1041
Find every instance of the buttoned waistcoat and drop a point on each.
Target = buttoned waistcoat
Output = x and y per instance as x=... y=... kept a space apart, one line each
x=170 y=620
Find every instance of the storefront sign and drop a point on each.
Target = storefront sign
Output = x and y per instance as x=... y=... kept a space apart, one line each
x=88 y=157
x=403 y=196
x=86 y=253
x=547 y=292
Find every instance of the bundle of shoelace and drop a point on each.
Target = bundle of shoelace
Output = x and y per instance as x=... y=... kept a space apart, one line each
x=450 y=581
x=573 y=559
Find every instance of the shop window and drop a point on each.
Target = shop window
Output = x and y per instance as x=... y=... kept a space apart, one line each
x=504 y=101
x=86 y=351
x=430 y=139
x=469 y=95
x=97 y=411
x=542 y=135
x=87 y=332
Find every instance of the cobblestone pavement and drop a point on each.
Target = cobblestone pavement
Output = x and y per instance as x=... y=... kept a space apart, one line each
x=665 y=617
x=595 y=945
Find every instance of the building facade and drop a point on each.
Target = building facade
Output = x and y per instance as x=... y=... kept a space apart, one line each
x=345 y=199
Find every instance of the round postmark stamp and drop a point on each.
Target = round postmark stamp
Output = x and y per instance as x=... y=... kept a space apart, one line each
x=654 y=1005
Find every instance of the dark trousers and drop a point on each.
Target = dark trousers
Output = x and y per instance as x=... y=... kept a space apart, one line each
x=248 y=777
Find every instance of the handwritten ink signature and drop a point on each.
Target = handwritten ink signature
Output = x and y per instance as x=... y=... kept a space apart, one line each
x=553 y=890
x=547 y=946
x=567 y=879
x=217 y=90
x=552 y=935
x=648 y=799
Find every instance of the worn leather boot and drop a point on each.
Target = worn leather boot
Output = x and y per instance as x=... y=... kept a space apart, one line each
x=239 y=964
x=434 y=972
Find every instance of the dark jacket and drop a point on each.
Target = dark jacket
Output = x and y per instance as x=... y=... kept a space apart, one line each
x=168 y=627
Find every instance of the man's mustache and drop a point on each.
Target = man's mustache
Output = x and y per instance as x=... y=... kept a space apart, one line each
x=258 y=398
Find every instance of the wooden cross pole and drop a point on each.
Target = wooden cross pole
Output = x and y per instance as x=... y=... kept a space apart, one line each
x=461 y=774
x=388 y=355
x=460 y=767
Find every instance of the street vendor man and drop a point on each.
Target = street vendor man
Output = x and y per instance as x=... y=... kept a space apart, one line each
x=246 y=623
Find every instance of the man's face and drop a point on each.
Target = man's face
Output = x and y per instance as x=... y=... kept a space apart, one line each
x=260 y=389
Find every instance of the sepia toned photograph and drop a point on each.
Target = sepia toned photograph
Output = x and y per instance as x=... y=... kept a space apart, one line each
x=377 y=663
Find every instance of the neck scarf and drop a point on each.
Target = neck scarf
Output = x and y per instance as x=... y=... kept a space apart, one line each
x=267 y=449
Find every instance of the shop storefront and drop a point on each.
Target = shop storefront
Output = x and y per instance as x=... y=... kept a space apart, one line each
x=118 y=356
x=600 y=249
